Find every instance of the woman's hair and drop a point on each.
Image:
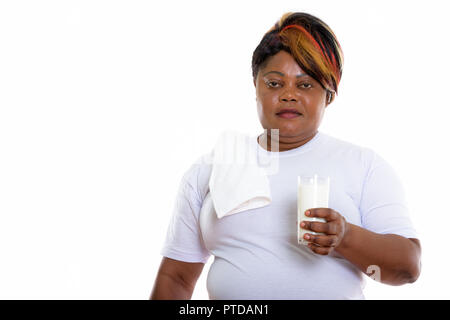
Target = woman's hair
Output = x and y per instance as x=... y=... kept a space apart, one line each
x=311 y=43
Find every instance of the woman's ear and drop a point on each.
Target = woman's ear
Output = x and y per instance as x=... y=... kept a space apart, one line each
x=330 y=97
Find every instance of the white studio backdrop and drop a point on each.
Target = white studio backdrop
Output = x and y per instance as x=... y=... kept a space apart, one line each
x=105 y=104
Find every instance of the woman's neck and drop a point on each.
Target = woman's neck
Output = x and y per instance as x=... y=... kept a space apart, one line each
x=284 y=144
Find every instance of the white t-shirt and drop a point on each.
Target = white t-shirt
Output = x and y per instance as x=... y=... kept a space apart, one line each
x=256 y=254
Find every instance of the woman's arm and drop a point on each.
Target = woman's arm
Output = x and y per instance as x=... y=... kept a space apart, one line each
x=176 y=280
x=398 y=258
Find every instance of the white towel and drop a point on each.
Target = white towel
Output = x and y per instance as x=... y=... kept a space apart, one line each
x=237 y=182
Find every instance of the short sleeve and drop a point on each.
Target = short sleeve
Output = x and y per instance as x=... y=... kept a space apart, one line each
x=383 y=205
x=183 y=239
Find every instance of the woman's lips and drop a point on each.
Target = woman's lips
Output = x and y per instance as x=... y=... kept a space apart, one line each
x=288 y=115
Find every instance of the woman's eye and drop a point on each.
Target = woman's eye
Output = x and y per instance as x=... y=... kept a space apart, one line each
x=272 y=84
x=275 y=84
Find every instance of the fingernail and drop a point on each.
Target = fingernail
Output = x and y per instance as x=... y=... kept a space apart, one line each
x=307 y=236
x=307 y=213
x=302 y=224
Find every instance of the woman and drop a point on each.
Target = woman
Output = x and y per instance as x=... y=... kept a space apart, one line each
x=297 y=68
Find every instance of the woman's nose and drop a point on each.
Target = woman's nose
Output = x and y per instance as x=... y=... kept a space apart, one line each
x=288 y=95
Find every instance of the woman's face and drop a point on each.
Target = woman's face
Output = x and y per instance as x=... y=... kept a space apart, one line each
x=283 y=84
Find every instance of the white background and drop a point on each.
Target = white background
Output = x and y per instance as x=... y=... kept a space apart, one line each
x=105 y=104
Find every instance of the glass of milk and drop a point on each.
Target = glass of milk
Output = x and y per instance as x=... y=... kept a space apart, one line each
x=313 y=192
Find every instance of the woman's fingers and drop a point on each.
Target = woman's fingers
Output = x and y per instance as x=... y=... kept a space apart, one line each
x=332 y=231
x=325 y=213
x=319 y=250
x=321 y=240
x=321 y=227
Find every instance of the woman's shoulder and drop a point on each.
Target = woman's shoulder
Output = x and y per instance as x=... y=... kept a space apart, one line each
x=352 y=152
x=198 y=173
x=335 y=143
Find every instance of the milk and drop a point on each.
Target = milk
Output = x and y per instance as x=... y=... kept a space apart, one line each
x=313 y=192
